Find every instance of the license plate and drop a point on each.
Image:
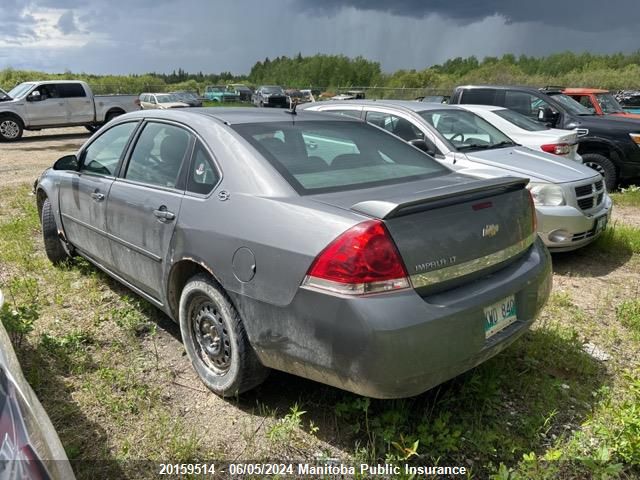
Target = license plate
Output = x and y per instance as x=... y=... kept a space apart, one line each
x=601 y=223
x=499 y=316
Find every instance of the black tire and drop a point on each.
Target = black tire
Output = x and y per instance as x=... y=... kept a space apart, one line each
x=261 y=104
x=11 y=128
x=604 y=167
x=93 y=128
x=216 y=341
x=53 y=245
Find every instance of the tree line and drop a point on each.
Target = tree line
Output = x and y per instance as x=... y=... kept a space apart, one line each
x=614 y=71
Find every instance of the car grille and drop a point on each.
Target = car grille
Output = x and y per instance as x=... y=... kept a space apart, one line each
x=590 y=196
x=583 y=235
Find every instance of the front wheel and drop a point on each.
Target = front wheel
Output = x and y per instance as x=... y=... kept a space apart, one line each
x=216 y=341
x=604 y=167
x=11 y=128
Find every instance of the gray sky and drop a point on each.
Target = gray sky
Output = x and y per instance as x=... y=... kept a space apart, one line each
x=137 y=36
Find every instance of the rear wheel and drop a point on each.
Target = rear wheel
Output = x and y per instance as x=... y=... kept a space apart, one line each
x=11 y=128
x=111 y=115
x=53 y=246
x=604 y=167
x=216 y=341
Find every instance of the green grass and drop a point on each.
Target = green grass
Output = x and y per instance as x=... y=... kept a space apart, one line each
x=627 y=197
x=628 y=313
x=618 y=240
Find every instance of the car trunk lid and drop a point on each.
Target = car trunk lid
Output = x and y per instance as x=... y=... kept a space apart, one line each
x=452 y=231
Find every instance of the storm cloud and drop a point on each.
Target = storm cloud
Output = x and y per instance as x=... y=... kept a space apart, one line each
x=124 y=36
x=572 y=14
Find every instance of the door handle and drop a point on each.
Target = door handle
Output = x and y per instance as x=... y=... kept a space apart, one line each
x=97 y=196
x=163 y=214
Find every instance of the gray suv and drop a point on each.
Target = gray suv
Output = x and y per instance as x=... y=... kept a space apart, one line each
x=322 y=246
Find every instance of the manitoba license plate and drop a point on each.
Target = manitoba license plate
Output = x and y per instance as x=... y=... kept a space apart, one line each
x=499 y=316
x=601 y=223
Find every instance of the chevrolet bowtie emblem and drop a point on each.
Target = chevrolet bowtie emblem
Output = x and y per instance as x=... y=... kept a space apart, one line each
x=490 y=230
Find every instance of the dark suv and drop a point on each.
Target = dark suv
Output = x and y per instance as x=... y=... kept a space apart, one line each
x=610 y=146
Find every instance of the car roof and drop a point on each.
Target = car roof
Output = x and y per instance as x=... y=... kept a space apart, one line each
x=48 y=82
x=411 y=105
x=239 y=115
x=578 y=91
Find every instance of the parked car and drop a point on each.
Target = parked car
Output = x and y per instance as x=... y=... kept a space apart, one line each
x=243 y=92
x=599 y=102
x=572 y=206
x=31 y=448
x=190 y=98
x=347 y=256
x=270 y=96
x=219 y=93
x=61 y=103
x=629 y=100
x=611 y=146
x=350 y=95
x=161 y=101
x=528 y=132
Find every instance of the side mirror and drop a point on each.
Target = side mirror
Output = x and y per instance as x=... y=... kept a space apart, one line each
x=546 y=115
x=34 y=96
x=426 y=145
x=68 y=162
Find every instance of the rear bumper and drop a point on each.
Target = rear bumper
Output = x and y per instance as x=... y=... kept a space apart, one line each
x=567 y=228
x=400 y=344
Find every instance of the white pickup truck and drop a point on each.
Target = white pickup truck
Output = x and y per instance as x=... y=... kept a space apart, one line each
x=60 y=103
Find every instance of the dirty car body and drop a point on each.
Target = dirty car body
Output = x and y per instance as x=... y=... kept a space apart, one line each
x=351 y=257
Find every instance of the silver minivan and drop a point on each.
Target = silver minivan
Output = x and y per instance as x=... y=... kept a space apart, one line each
x=572 y=204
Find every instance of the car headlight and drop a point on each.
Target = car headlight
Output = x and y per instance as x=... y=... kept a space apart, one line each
x=546 y=194
x=635 y=137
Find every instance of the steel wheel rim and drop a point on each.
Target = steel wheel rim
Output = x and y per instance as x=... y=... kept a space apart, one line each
x=596 y=166
x=212 y=340
x=9 y=129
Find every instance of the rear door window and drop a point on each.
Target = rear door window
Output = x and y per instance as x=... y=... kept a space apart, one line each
x=525 y=103
x=71 y=90
x=159 y=154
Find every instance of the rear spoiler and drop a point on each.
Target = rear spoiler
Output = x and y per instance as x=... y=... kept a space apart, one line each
x=439 y=197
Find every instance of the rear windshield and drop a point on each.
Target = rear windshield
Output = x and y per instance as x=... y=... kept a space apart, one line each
x=520 y=120
x=324 y=156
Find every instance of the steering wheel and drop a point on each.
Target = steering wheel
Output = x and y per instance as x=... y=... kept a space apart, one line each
x=457 y=135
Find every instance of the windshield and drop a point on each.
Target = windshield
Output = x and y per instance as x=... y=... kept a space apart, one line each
x=465 y=131
x=322 y=156
x=19 y=90
x=575 y=108
x=167 y=98
x=272 y=90
x=608 y=103
x=520 y=120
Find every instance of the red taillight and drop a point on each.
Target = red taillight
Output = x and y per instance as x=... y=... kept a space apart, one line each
x=534 y=218
x=362 y=260
x=557 y=148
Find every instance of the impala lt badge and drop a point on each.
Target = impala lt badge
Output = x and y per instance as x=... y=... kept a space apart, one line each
x=490 y=230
